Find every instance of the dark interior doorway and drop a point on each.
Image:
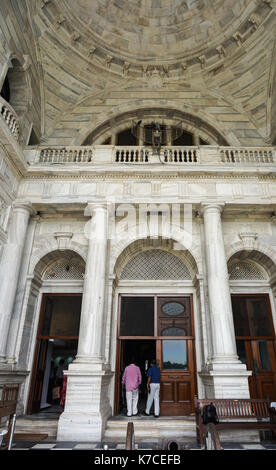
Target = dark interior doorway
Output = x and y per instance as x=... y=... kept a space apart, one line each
x=142 y=351
x=57 y=340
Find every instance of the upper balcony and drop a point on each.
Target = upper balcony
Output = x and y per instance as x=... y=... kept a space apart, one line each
x=106 y=158
x=10 y=118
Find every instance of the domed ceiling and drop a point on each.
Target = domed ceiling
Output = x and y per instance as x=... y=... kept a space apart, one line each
x=98 y=58
x=163 y=29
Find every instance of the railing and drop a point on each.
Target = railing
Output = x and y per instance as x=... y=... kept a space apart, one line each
x=131 y=155
x=66 y=155
x=246 y=155
x=130 y=440
x=171 y=156
x=166 y=155
x=10 y=118
x=181 y=155
x=212 y=441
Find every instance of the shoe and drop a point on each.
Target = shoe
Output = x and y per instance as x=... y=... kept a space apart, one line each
x=146 y=413
x=136 y=414
x=156 y=416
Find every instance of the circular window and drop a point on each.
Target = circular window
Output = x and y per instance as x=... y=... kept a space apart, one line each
x=173 y=308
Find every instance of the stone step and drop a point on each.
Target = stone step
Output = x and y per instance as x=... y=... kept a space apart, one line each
x=26 y=425
x=151 y=428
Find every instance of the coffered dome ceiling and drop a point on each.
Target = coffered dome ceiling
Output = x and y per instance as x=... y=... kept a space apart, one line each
x=163 y=29
x=212 y=58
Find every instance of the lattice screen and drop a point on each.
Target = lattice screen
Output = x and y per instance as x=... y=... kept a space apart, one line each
x=64 y=269
x=154 y=265
x=246 y=271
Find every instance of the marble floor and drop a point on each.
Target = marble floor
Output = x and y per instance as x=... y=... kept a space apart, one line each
x=50 y=444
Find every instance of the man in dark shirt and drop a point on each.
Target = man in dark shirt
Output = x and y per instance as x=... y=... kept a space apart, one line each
x=153 y=387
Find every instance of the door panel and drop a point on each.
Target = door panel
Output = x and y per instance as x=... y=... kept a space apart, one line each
x=38 y=376
x=167 y=391
x=173 y=333
x=263 y=369
x=57 y=322
x=175 y=395
x=176 y=355
x=255 y=339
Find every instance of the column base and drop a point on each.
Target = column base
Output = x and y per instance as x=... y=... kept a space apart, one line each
x=81 y=427
x=87 y=404
x=226 y=380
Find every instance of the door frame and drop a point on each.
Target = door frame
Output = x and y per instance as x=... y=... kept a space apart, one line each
x=251 y=342
x=119 y=339
x=39 y=339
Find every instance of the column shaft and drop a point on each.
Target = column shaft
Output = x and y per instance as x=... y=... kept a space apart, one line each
x=10 y=267
x=87 y=405
x=225 y=376
x=223 y=334
x=92 y=314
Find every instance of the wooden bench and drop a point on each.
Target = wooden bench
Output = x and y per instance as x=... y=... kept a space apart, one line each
x=236 y=414
x=8 y=402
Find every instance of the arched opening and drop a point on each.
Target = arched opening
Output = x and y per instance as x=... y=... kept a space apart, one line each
x=60 y=276
x=251 y=276
x=5 y=91
x=186 y=139
x=118 y=130
x=19 y=87
x=156 y=321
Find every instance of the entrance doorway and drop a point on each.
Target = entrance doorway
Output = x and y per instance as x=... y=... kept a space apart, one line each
x=142 y=351
x=158 y=327
x=56 y=347
x=255 y=339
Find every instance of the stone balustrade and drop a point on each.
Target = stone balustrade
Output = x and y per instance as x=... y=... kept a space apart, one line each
x=170 y=156
x=181 y=155
x=10 y=118
x=66 y=155
x=131 y=154
x=245 y=155
x=147 y=155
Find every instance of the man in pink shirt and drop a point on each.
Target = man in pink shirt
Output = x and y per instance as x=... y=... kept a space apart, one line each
x=132 y=379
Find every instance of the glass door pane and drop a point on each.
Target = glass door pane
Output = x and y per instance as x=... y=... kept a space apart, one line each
x=264 y=355
x=174 y=354
x=241 y=350
x=137 y=316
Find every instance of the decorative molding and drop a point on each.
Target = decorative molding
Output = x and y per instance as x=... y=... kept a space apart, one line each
x=155 y=78
x=63 y=239
x=221 y=52
x=248 y=239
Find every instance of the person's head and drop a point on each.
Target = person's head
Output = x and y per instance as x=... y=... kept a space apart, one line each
x=132 y=360
x=153 y=362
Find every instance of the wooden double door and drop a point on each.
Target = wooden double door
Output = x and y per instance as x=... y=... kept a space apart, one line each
x=159 y=327
x=255 y=339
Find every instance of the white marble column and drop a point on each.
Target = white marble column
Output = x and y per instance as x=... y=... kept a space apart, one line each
x=10 y=267
x=14 y=339
x=87 y=405
x=229 y=375
x=90 y=346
